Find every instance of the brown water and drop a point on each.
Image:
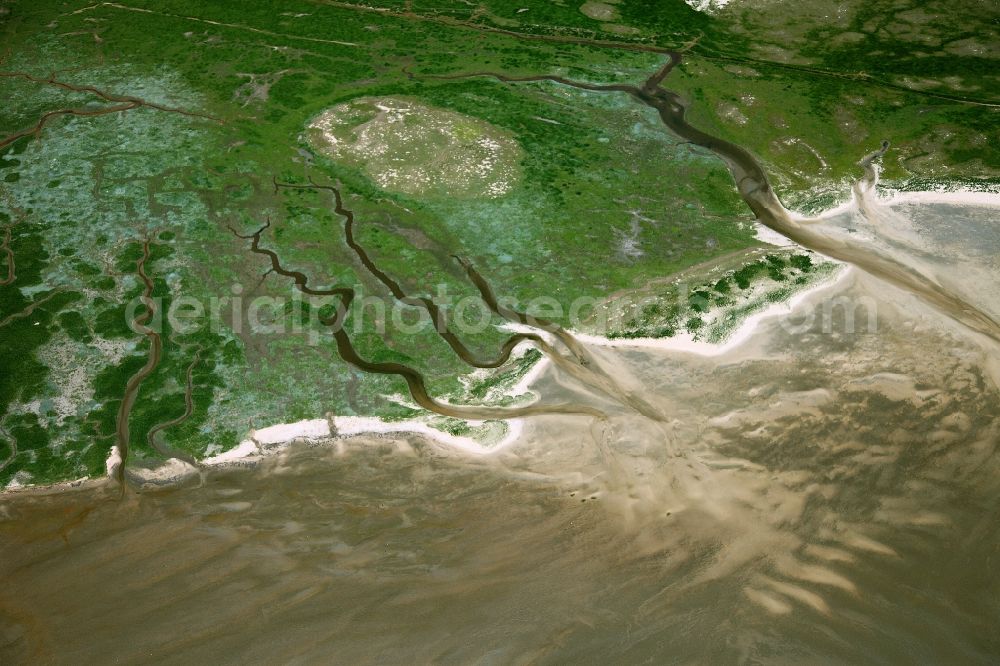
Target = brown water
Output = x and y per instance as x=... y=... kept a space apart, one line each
x=818 y=497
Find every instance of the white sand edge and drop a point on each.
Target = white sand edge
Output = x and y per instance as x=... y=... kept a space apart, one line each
x=767 y=235
x=113 y=462
x=887 y=196
x=266 y=441
x=687 y=343
x=957 y=198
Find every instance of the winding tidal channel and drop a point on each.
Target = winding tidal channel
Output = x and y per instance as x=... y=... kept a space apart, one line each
x=826 y=492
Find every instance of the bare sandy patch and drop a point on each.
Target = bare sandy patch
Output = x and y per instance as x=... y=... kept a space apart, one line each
x=407 y=146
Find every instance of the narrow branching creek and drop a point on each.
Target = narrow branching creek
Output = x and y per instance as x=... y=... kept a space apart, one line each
x=139 y=324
